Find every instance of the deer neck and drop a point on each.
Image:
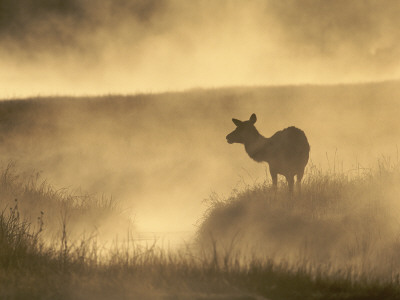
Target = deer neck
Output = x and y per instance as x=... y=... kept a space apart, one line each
x=257 y=148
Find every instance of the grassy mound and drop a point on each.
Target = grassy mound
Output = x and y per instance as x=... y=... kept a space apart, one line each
x=339 y=221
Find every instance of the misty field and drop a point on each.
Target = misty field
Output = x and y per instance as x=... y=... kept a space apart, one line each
x=81 y=179
x=339 y=239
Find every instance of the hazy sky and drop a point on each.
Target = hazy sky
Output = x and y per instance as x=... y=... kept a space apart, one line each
x=125 y=46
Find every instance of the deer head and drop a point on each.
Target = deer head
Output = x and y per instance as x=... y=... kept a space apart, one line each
x=245 y=131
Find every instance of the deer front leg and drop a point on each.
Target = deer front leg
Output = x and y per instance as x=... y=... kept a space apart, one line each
x=274 y=176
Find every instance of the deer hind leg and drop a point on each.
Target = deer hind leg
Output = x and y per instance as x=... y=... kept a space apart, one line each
x=274 y=176
x=299 y=178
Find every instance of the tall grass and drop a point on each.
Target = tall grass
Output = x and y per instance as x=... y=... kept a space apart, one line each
x=62 y=211
x=337 y=240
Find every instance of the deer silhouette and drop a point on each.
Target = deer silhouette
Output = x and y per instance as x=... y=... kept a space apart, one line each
x=286 y=152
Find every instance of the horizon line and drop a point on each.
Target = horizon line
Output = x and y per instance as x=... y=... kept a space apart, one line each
x=194 y=89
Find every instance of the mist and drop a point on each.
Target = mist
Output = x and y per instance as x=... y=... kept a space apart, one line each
x=80 y=48
x=116 y=177
x=162 y=155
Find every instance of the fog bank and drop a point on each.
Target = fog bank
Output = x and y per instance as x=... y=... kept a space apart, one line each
x=80 y=47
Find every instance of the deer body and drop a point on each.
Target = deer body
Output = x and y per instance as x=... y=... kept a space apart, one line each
x=286 y=152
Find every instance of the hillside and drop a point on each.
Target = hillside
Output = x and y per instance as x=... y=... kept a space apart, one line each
x=152 y=151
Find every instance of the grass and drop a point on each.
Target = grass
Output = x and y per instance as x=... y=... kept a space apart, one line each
x=337 y=240
x=42 y=206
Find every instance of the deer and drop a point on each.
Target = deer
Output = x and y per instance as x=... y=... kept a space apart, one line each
x=286 y=152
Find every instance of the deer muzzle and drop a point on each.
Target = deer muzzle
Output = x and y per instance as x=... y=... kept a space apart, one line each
x=229 y=139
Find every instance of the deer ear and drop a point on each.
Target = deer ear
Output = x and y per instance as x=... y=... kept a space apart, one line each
x=253 y=118
x=237 y=122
